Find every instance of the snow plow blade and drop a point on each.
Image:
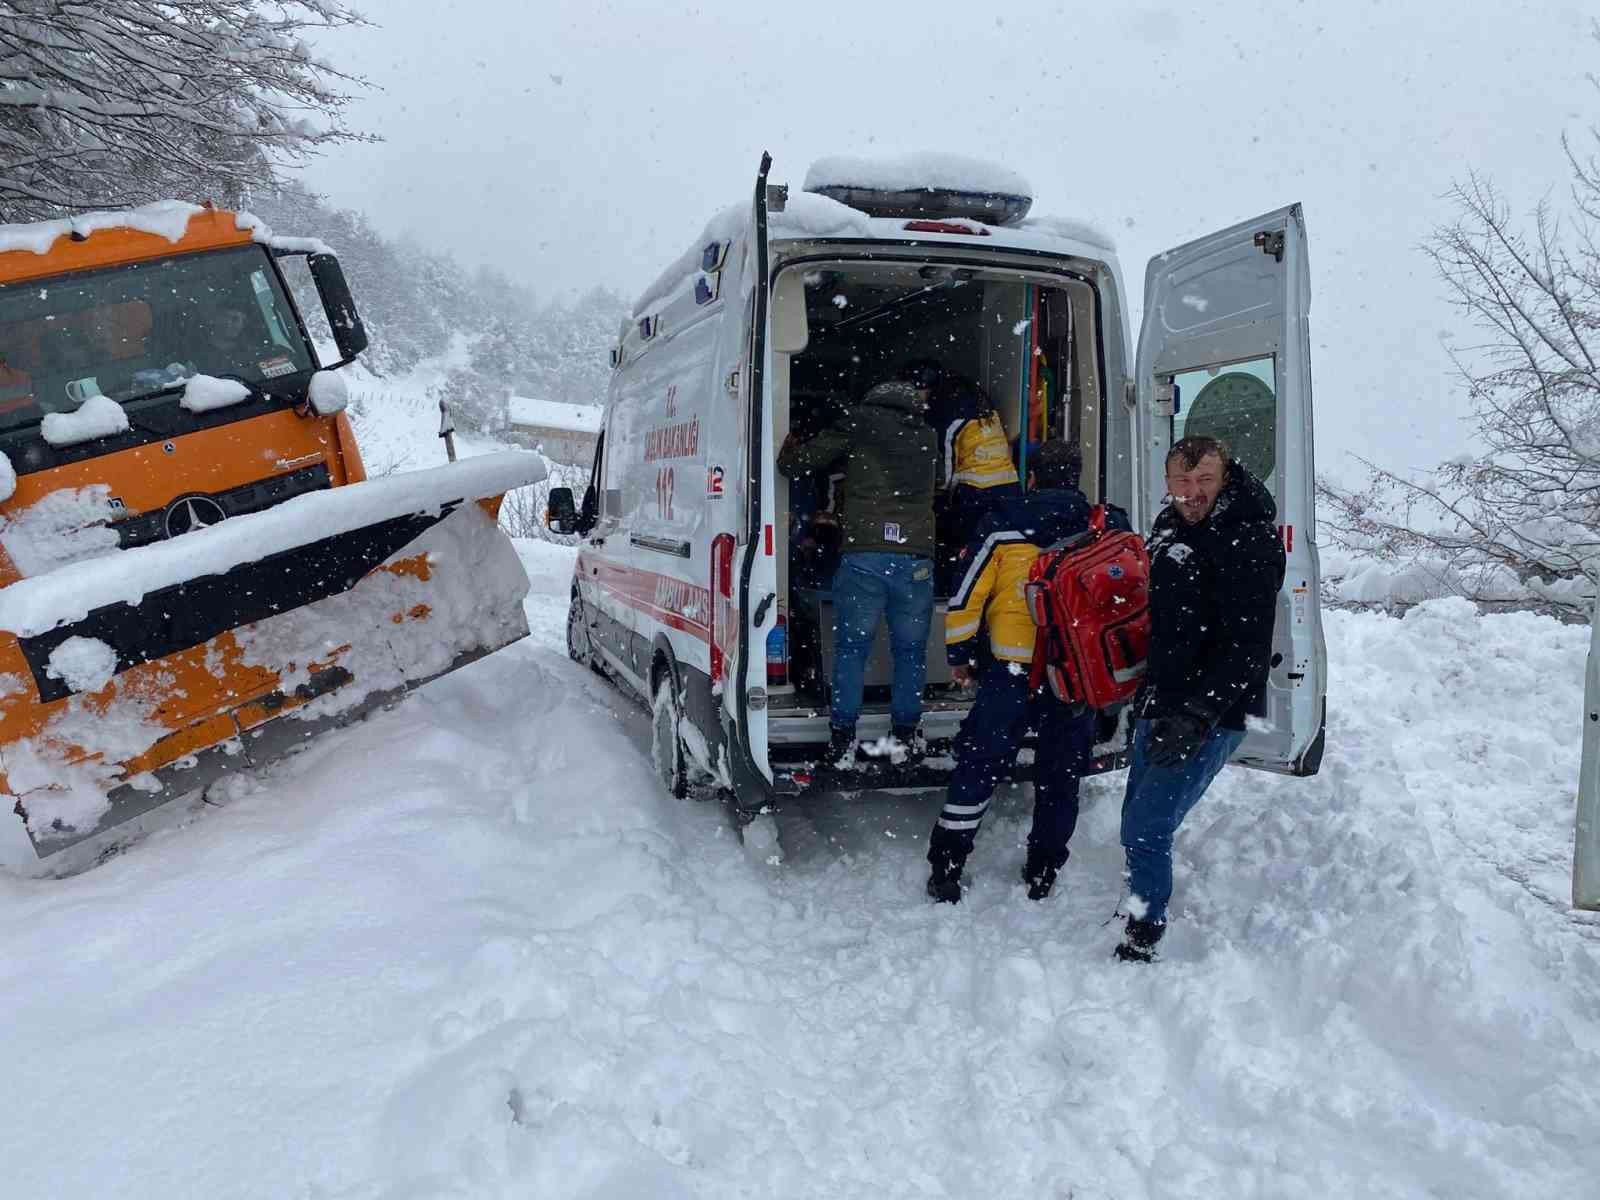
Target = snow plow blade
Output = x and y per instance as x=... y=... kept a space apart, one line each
x=131 y=681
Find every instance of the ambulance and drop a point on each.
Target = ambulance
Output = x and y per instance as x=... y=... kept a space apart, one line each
x=702 y=578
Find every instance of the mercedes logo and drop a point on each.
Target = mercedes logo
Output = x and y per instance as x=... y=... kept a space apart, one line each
x=192 y=512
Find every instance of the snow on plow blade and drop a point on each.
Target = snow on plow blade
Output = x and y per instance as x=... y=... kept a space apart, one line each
x=134 y=679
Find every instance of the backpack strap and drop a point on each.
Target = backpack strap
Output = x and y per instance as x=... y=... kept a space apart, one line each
x=1097 y=519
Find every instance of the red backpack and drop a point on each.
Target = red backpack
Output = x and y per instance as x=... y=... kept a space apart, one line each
x=1090 y=597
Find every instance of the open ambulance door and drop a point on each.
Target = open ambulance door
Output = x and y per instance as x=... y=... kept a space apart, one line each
x=754 y=611
x=1224 y=351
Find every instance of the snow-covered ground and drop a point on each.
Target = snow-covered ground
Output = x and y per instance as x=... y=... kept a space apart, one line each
x=468 y=948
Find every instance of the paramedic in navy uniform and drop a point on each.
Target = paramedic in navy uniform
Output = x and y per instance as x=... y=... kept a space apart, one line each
x=1216 y=565
x=1008 y=539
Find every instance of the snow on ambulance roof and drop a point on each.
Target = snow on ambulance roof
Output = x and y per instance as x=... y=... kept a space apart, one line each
x=913 y=172
x=808 y=215
x=805 y=215
x=164 y=218
x=551 y=414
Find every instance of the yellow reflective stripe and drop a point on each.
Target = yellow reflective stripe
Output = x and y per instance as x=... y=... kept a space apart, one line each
x=1011 y=653
x=956 y=633
x=987 y=476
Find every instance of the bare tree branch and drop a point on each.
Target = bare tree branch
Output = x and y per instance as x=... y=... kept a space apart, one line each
x=105 y=103
x=1524 y=514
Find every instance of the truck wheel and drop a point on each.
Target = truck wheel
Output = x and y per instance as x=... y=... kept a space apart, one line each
x=666 y=746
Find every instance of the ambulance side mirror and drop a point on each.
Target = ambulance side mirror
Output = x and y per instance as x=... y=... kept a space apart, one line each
x=560 y=513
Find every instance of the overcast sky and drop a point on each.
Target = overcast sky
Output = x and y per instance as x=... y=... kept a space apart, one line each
x=579 y=143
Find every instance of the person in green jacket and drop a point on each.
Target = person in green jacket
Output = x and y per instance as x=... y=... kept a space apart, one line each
x=890 y=455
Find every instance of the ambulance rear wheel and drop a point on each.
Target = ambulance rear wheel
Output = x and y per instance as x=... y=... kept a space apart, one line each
x=666 y=744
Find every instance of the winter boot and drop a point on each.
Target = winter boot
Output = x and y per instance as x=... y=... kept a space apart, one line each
x=1039 y=873
x=841 y=754
x=944 y=884
x=1139 y=941
x=910 y=747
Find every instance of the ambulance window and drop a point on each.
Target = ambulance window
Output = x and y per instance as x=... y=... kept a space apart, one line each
x=606 y=485
x=1236 y=403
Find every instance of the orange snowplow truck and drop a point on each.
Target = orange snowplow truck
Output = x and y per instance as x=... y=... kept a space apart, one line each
x=195 y=574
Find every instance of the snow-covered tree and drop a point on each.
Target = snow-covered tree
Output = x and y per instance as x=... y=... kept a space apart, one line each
x=1522 y=513
x=418 y=302
x=106 y=103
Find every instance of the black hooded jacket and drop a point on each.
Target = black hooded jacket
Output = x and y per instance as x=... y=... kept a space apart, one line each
x=1213 y=597
x=890 y=455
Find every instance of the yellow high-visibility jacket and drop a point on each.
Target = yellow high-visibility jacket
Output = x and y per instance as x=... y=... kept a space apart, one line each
x=996 y=565
x=976 y=452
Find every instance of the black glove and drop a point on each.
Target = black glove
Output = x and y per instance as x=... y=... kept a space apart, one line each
x=1174 y=739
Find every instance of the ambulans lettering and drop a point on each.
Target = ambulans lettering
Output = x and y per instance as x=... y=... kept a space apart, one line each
x=680 y=440
x=685 y=599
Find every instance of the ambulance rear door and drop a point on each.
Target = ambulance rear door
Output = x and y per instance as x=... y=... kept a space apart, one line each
x=1224 y=350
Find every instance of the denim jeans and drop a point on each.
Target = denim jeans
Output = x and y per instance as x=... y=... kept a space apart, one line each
x=1157 y=800
x=866 y=587
x=986 y=748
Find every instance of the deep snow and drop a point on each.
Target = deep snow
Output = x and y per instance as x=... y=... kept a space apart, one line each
x=468 y=948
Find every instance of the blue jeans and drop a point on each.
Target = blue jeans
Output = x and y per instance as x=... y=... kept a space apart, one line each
x=866 y=587
x=1155 y=804
x=986 y=748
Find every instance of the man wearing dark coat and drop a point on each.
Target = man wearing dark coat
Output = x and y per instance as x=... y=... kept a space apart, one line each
x=1216 y=566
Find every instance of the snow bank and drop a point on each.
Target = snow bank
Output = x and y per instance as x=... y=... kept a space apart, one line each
x=909 y=172
x=1372 y=987
x=34 y=605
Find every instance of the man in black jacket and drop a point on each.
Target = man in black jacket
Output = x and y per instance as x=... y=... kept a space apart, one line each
x=1216 y=565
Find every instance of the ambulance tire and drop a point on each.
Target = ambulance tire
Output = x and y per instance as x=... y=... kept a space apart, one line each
x=579 y=647
x=667 y=754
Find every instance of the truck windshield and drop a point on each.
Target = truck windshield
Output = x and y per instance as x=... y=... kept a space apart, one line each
x=135 y=330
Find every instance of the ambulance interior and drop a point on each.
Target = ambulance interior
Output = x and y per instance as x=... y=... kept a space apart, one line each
x=838 y=329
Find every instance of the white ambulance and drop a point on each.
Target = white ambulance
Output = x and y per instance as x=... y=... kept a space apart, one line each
x=699 y=583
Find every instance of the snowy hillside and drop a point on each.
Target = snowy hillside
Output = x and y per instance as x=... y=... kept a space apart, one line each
x=467 y=948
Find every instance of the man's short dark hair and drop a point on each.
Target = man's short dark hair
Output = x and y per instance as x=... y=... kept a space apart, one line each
x=1056 y=464
x=1192 y=449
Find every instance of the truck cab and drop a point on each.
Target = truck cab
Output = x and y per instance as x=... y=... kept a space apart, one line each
x=195 y=573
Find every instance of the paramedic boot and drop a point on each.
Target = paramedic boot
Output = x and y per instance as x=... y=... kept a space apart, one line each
x=944 y=884
x=1139 y=941
x=1039 y=873
x=841 y=753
